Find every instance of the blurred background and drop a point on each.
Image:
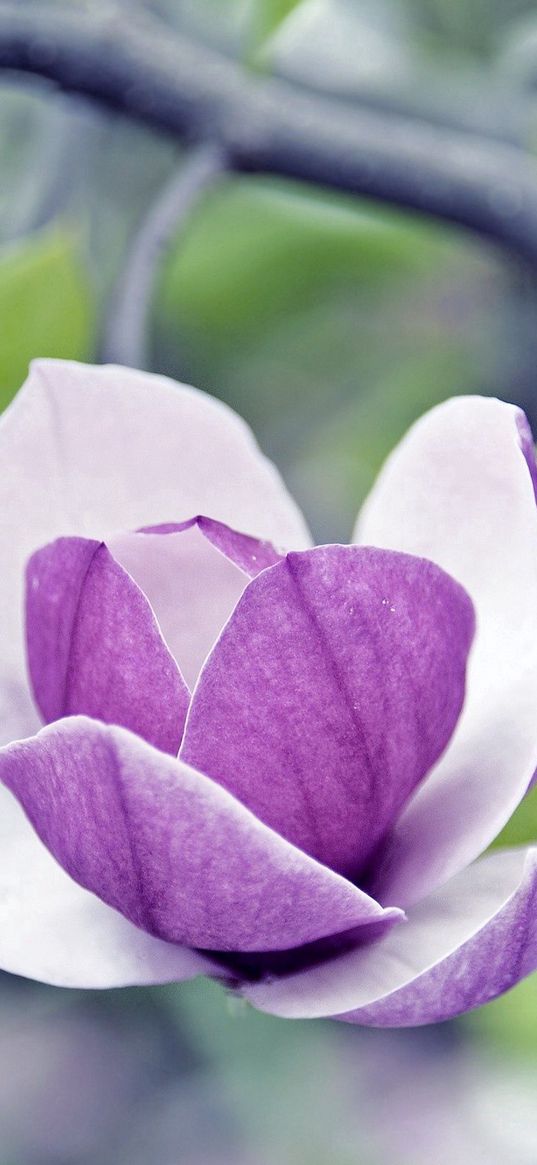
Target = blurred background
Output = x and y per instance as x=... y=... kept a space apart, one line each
x=330 y=321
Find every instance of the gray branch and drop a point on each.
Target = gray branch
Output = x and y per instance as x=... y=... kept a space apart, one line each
x=126 y=339
x=180 y=87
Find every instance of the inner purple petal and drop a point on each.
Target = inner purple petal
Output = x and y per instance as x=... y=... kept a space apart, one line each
x=260 y=965
x=193 y=574
x=250 y=555
x=94 y=645
x=118 y=630
x=332 y=690
x=331 y=693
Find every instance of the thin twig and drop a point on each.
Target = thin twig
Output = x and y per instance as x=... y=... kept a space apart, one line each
x=126 y=339
x=268 y=125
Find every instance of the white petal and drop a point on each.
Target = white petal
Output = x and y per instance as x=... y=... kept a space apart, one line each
x=54 y=931
x=91 y=450
x=459 y=490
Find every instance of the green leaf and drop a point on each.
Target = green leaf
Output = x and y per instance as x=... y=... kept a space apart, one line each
x=46 y=306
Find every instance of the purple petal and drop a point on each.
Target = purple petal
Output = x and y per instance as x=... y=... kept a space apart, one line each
x=250 y=555
x=53 y=930
x=193 y=574
x=90 y=450
x=94 y=645
x=335 y=686
x=462 y=946
x=175 y=853
x=458 y=490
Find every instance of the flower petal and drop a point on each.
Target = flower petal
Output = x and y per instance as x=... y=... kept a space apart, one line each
x=169 y=848
x=193 y=574
x=334 y=687
x=250 y=555
x=91 y=450
x=461 y=947
x=458 y=491
x=53 y=930
x=94 y=645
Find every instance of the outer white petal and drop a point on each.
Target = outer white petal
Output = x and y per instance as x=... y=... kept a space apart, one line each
x=459 y=490
x=91 y=450
x=54 y=931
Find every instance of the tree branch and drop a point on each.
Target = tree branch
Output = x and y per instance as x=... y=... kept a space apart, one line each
x=126 y=340
x=267 y=125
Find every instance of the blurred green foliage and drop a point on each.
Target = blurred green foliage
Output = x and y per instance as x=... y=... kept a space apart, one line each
x=301 y=1061
x=522 y=826
x=269 y=14
x=330 y=325
x=46 y=305
x=468 y=27
x=509 y=1022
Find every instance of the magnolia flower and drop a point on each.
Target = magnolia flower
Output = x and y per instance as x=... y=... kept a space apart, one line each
x=268 y=763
